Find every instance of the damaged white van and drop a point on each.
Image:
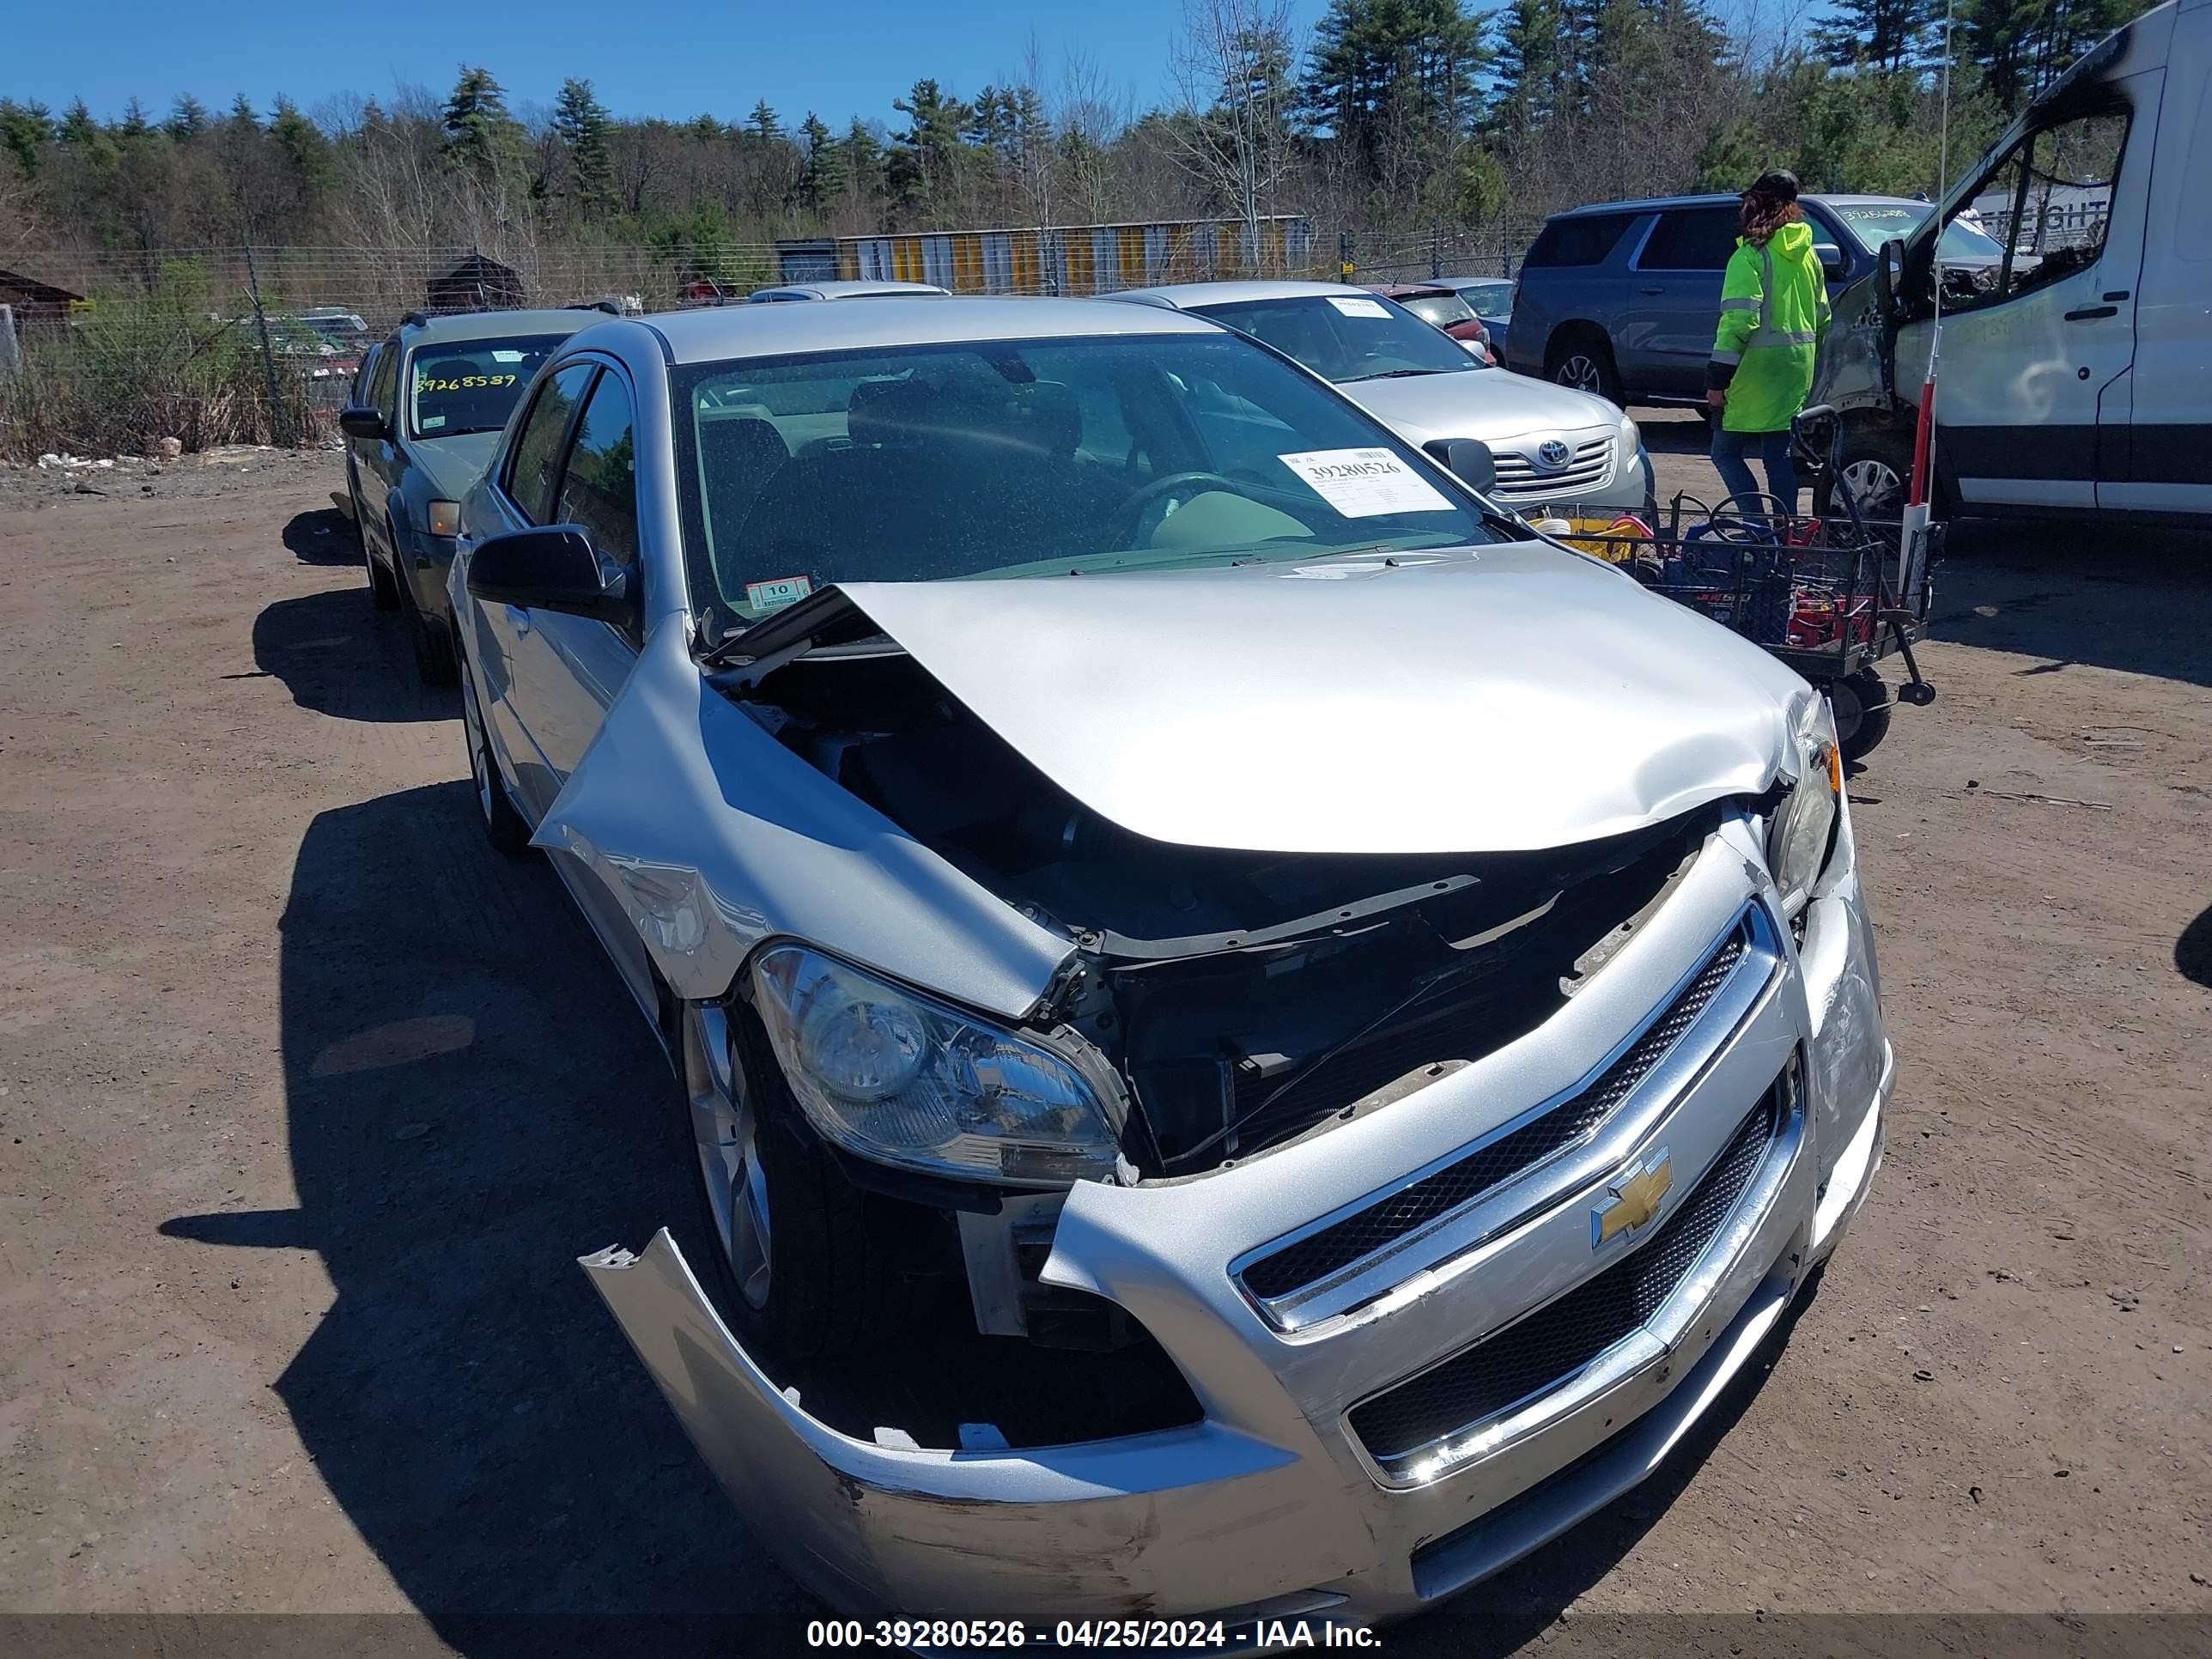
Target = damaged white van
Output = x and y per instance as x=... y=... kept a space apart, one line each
x=2076 y=372
x=1255 y=1041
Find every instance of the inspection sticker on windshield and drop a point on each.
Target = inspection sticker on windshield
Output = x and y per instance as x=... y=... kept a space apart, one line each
x=773 y=596
x=1365 y=484
x=1354 y=307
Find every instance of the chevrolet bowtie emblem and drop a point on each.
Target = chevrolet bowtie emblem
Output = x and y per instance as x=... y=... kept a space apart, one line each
x=1633 y=1200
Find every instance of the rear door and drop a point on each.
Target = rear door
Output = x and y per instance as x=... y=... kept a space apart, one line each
x=376 y=465
x=1666 y=330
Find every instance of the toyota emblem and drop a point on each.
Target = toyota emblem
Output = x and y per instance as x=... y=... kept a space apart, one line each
x=1552 y=454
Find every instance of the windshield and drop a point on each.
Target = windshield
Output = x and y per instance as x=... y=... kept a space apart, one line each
x=1038 y=458
x=1440 y=310
x=1346 y=337
x=1873 y=223
x=1492 y=301
x=471 y=385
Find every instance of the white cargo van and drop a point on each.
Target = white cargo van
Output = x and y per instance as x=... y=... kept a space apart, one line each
x=2076 y=375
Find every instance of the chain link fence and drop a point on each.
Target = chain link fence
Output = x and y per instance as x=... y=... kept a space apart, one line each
x=115 y=352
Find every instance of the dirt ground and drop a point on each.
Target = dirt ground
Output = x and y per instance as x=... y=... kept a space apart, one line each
x=309 y=1102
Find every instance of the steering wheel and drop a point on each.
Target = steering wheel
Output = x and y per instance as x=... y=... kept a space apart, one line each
x=1136 y=505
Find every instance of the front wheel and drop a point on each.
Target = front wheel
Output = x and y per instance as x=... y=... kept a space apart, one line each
x=1877 y=468
x=1862 y=709
x=505 y=828
x=806 y=1262
x=383 y=592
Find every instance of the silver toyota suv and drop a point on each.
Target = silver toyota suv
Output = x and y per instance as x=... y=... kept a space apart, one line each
x=1619 y=299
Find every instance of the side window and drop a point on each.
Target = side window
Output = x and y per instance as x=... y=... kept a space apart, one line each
x=1586 y=238
x=1691 y=239
x=2047 y=204
x=384 y=389
x=599 y=487
x=533 y=474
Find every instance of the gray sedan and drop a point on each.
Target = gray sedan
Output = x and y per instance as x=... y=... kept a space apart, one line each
x=1554 y=448
x=1234 y=1015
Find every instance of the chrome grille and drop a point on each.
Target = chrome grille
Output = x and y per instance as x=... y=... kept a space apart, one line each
x=1519 y=477
x=1377 y=1226
x=1552 y=1346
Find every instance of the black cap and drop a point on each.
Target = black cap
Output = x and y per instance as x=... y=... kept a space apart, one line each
x=1780 y=185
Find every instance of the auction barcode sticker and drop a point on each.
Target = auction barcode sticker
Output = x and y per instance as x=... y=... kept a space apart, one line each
x=1352 y=306
x=1365 y=484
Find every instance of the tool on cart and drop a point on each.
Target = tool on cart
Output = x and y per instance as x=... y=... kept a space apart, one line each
x=1818 y=593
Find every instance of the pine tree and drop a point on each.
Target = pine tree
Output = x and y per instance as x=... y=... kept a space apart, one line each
x=821 y=179
x=480 y=133
x=134 y=125
x=861 y=153
x=25 y=131
x=581 y=122
x=241 y=117
x=1526 y=91
x=1885 y=35
x=763 y=125
x=1395 y=83
x=188 y=118
x=302 y=145
x=2021 y=46
x=925 y=157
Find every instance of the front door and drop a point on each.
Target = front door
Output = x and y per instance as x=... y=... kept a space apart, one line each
x=376 y=465
x=2032 y=351
x=1674 y=300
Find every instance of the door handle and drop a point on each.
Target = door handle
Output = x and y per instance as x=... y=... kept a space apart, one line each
x=518 y=619
x=2090 y=313
x=1650 y=290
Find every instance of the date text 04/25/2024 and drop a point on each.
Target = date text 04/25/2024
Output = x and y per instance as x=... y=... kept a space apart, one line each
x=1155 y=1635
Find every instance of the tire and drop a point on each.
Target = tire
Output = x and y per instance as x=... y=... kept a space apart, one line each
x=804 y=1262
x=383 y=592
x=504 y=827
x=1877 y=465
x=1582 y=357
x=432 y=640
x=1861 y=705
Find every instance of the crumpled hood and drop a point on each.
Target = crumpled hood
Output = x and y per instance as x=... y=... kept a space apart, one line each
x=453 y=465
x=1494 y=405
x=1485 y=700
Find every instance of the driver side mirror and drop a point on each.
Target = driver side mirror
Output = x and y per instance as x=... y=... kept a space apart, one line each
x=1470 y=460
x=1832 y=260
x=1889 y=279
x=361 y=421
x=550 y=567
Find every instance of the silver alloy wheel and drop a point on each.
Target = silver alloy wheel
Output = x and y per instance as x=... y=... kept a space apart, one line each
x=472 y=730
x=729 y=1153
x=1874 y=486
x=1579 y=370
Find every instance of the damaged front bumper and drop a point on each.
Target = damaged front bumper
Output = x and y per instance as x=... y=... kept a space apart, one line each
x=1401 y=1395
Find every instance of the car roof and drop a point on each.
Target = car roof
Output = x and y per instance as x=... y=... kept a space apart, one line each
x=1409 y=291
x=1184 y=295
x=448 y=327
x=715 y=332
x=850 y=289
x=1661 y=203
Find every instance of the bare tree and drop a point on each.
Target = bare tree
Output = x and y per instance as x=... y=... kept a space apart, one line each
x=1231 y=129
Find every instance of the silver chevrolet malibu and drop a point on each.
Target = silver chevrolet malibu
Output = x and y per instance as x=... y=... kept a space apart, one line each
x=1256 y=1042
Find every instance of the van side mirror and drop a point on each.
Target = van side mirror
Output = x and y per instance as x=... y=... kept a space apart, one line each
x=361 y=421
x=549 y=568
x=1889 y=279
x=1470 y=460
x=1832 y=260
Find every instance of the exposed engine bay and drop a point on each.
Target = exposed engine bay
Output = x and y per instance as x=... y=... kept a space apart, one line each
x=1246 y=998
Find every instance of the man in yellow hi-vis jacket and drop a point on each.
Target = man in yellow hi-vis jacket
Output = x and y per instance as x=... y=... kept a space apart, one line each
x=1774 y=310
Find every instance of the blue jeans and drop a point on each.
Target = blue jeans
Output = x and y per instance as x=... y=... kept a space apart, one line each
x=1729 y=450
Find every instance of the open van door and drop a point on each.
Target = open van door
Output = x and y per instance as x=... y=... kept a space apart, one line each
x=2041 y=251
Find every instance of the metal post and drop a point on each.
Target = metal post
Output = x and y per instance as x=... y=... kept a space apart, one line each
x=1344 y=265
x=268 y=356
x=1436 y=254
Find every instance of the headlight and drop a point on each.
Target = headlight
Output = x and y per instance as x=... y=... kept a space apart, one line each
x=903 y=1080
x=1631 y=441
x=1804 y=825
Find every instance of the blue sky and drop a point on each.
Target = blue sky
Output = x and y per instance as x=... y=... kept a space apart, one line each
x=644 y=57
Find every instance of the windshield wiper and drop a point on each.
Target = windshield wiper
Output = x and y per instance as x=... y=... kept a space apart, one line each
x=1388 y=374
